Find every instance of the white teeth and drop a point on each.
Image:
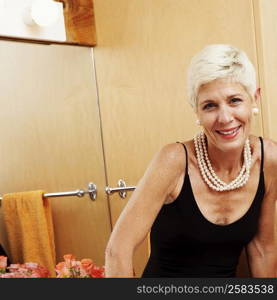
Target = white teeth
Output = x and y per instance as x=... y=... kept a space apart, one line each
x=228 y=132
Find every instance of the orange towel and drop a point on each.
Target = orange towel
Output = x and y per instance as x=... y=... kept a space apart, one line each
x=28 y=221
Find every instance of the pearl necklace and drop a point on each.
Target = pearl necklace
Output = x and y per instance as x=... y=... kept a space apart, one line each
x=209 y=175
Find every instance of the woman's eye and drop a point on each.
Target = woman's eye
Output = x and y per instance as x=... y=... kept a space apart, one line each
x=236 y=100
x=208 y=106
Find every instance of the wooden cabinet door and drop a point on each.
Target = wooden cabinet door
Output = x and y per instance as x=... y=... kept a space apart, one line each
x=142 y=53
x=266 y=28
x=51 y=139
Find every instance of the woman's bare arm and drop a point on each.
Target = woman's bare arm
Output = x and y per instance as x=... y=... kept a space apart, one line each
x=137 y=217
x=262 y=250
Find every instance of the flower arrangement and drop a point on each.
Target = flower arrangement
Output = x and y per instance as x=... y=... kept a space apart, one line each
x=69 y=268
x=72 y=268
x=27 y=270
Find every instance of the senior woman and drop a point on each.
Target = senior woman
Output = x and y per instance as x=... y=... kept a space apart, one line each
x=206 y=199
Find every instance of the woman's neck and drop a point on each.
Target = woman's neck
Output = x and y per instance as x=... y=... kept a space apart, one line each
x=228 y=164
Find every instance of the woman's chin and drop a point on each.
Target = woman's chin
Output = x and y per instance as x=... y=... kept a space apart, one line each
x=230 y=143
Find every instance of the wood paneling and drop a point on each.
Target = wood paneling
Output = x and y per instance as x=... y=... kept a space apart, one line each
x=142 y=54
x=79 y=22
x=51 y=139
x=266 y=31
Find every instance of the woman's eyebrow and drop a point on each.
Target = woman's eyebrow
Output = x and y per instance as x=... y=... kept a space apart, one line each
x=206 y=101
x=228 y=97
x=234 y=95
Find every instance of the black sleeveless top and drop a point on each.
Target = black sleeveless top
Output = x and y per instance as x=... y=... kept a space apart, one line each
x=185 y=244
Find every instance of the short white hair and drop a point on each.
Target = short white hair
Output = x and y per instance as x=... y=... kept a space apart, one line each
x=219 y=61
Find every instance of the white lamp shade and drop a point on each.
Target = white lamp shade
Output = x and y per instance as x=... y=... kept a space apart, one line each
x=44 y=12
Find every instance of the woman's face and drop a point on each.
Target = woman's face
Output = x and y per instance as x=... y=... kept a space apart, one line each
x=224 y=109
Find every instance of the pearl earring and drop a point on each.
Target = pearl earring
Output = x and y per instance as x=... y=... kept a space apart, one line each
x=198 y=122
x=255 y=111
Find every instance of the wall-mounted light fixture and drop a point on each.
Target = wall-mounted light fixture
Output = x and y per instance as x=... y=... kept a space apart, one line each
x=43 y=13
x=41 y=20
x=68 y=22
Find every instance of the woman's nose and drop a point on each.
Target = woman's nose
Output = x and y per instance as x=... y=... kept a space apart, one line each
x=225 y=115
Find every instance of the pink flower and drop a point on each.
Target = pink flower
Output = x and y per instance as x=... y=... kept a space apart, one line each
x=68 y=258
x=69 y=268
x=8 y=275
x=28 y=270
x=62 y=270
x=3 y=264
x=13 y=267
x=87 y=264
x=36 y=270
x=97 y=272
x=31 y=265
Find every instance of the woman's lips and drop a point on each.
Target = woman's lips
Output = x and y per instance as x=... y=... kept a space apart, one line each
x=229 y=133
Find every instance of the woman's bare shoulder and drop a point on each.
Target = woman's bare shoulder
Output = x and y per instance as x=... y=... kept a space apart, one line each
x=270 y=149
x=171 y=153
x=170 y=160
x=270 y=166
x=270 y=152
x=174 y=153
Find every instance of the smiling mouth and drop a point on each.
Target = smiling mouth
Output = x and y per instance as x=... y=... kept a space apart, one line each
x=230 y=132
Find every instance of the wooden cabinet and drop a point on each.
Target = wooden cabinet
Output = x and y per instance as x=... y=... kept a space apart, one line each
x=266 y=29
x=143 y=50
x=51 y=139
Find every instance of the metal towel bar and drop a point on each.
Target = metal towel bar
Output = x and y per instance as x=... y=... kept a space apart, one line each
x=92 y=192
x=122 y=188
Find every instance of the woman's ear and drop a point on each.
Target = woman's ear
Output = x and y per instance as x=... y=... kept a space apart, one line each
x=257 y=95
